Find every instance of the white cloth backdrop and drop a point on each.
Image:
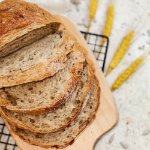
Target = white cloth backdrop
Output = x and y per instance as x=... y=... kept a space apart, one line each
x=133 y=97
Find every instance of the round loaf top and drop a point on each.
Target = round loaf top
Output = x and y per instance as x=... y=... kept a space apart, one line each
x=16 y=14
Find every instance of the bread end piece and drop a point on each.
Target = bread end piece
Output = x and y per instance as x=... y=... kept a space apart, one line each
x=23 y=23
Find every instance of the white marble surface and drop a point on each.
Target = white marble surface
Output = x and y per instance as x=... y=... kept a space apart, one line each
x=133 y=97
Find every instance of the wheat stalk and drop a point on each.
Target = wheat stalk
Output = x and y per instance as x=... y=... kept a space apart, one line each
x=120 y=52
x=130 y=70
x=93 y=8
x=124 y=47
x=108 y=26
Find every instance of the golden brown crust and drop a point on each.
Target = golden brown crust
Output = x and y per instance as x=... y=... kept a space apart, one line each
x=18 y=14
x=43 y=69
x=79 y=54
x=88 y=85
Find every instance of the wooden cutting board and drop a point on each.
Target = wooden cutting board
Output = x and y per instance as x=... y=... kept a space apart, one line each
x=106 y=117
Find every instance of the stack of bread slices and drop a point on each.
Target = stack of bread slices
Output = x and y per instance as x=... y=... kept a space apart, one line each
x=49 y=93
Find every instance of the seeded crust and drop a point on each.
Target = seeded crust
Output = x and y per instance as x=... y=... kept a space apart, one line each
x=22 y=23
x=61 y=117
x=11 y=99
x=66 y=136
x=44 y=68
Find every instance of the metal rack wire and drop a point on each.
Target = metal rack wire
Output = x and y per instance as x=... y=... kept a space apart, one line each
x=94 y=40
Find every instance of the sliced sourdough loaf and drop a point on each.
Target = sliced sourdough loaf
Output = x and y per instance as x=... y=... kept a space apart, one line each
x=66 y=136
x=62 y=116
x=46 y=95
x=22 y=23
x=36 y=61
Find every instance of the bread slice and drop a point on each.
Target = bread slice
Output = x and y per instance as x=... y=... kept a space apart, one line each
x=22 y=23
x=46 y=95
x=37 y=60
x=61 y=117
x=66 y=136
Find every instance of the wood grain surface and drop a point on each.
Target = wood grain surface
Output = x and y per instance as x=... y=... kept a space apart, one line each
x=106 y=117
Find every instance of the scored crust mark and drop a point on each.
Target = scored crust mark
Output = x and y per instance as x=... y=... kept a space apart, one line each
x=66 y=136
x=22 y=23
x=29 y=99
x=61 y=117
x=36 y=61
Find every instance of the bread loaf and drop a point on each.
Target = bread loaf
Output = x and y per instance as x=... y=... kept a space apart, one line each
x=49 y=93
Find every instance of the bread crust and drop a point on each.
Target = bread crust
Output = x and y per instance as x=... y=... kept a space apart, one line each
x=42 y=70
x=70 y=142
x=79 y=54
x=18 y=18
x=87 y=87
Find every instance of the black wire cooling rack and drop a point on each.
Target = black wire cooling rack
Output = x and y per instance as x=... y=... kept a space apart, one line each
x=93 y=40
